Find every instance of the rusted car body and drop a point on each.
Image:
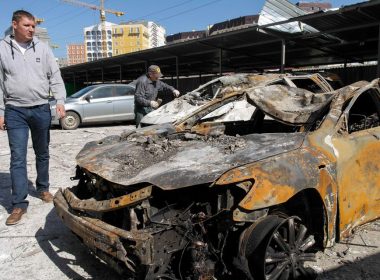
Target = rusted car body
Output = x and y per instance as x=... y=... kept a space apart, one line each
x=240 y=199
x=219 y=87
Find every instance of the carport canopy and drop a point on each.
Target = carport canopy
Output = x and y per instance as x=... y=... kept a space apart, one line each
x=346 y=35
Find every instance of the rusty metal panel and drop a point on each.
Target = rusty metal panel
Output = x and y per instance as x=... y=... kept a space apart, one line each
x=107 y=205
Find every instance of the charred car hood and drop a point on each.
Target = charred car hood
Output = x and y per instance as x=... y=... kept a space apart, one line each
x=183 y=161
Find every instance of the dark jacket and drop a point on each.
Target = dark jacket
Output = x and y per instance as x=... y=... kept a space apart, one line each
x=147 y=90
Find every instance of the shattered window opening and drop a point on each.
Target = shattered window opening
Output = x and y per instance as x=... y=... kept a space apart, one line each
x=364 y=113
x=308 y=84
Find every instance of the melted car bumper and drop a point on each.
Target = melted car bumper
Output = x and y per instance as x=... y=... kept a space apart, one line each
x=110 y=243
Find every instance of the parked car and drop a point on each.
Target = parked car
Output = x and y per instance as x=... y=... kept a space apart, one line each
x=97 y=104
x=235 y=193
x=219 y=87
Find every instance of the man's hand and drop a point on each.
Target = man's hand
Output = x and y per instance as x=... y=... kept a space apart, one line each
x=154 y=104
x=176 y=93
x=60 y=109
x=2 y=124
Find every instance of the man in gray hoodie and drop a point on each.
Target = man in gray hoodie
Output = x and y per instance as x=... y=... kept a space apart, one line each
x=28 y=72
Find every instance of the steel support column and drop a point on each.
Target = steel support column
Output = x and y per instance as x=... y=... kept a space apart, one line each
x=75 y=84
x=102 y=75
x=121 y=74
x=283 y=52
x=378 y=54
x=177 y=70
x=220 y=62
x=345 y=72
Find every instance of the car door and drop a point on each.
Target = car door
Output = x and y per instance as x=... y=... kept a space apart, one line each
x=124 y=103
x=357 y=148
x=99 y=107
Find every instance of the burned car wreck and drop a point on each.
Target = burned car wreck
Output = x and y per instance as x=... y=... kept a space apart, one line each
x=222 y=86
x=215 y=197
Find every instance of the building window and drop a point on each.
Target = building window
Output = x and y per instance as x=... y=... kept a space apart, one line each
x=109 y=54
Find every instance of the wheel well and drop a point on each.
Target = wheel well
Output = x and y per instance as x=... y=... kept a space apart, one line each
x=307 y=205
x=80 y=117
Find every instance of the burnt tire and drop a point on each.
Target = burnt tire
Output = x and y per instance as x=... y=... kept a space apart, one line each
x=276 y=249
x=70 y=121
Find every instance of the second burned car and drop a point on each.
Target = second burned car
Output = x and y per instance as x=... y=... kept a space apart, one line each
x=222 y=86
x=243 y=197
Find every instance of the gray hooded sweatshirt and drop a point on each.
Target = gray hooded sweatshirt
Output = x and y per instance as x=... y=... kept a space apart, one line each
x=26 y=79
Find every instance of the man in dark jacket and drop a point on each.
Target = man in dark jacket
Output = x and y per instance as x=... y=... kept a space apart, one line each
x=28 y=72
x=147 y=88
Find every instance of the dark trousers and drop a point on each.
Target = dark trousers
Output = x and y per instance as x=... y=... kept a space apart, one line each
x=140 y=112
x=18 y=121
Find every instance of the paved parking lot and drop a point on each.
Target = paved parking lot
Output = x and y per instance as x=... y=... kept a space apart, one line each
x=40 y=247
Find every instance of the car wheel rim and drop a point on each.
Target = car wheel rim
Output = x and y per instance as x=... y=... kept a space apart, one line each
x=286 y=251
x=70 y=121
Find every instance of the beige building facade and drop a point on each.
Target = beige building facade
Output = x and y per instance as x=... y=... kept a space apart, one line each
x=76 y=53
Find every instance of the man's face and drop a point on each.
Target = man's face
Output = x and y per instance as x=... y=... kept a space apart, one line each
x=154 y=76
x=24 y=29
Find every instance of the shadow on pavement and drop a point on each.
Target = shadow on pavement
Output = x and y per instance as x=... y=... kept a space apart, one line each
x=98 y=125
x=362 y=268
x=5 y=191
x=66 y=251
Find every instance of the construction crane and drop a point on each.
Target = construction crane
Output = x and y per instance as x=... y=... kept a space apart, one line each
x=103 y=12
x=39 y=20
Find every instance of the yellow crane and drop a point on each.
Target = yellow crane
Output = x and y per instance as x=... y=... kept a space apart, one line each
x=103 y=12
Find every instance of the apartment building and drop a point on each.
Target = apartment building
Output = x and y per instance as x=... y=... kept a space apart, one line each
x=157 y=35
x=129 y=37
x=97 y=44
x=76 y=53
x=135 y=36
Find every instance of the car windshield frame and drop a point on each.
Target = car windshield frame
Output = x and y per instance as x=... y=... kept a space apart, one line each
x=82 y=92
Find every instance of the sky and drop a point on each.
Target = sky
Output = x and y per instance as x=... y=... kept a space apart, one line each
x=65 y=22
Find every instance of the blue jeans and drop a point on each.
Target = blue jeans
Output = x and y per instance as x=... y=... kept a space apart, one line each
x=18 y=121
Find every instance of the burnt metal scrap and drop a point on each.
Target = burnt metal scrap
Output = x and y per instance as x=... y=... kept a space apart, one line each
x=226 y=85
x=208 y=197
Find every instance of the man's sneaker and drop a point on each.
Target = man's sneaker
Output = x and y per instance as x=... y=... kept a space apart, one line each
x=15 y=216
x=46 y=197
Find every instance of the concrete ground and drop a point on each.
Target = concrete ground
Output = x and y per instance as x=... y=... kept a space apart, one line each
x=41 y=247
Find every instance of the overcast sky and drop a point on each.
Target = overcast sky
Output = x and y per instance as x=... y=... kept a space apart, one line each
x=65 y=22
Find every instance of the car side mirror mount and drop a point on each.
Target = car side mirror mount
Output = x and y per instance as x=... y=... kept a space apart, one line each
x=88 y=98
